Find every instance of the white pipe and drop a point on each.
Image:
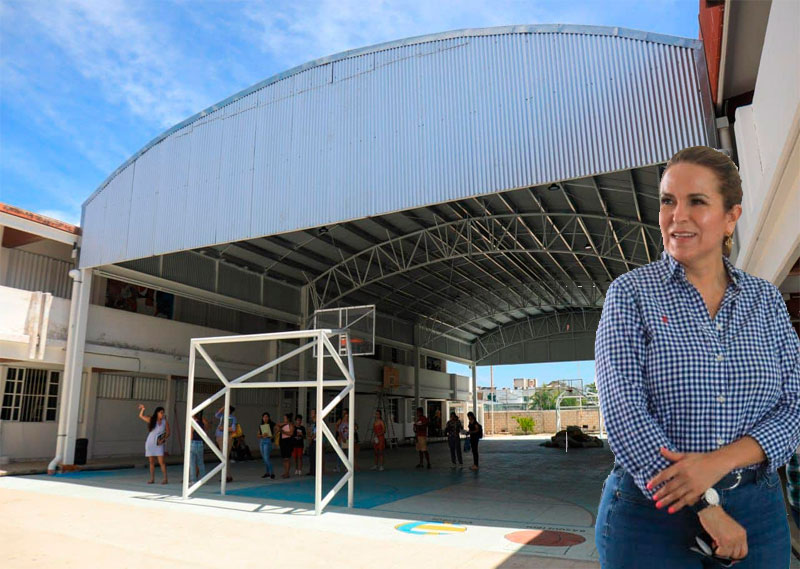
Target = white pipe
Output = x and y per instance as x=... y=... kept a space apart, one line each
x=62 y=415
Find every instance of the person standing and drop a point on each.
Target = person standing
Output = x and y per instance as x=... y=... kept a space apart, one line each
x=343 y=434
x=265 y=433
x=452 y=431
x=298 y=442
x=698 y=373
x=286 y=428
x=197 y=466
x=158 y=433
x=312 y=443
x=475 y=430
x=232 y=424
x=378 y=440
x=421 y=434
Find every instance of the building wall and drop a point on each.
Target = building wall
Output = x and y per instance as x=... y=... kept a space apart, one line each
x=768 y=145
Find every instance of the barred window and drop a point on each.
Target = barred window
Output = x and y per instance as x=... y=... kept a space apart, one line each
x=30 y=395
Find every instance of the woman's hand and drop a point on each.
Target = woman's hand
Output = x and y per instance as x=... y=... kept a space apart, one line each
x=730 y=538
x=141 y=408
x=692 y=474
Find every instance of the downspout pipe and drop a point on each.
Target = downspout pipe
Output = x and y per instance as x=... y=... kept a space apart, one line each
x=73 y=367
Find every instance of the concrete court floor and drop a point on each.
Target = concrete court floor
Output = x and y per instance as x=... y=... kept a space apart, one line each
x=114 y=519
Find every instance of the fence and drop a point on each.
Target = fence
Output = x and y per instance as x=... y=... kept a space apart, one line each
x=545 y=421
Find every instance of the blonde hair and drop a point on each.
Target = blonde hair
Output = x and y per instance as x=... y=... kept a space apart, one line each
x=726 y=172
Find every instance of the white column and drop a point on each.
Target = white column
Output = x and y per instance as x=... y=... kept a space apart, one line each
x=172 y=414
x=73 y=368
x=475 y=389
x=302 y=393
x=416 y=369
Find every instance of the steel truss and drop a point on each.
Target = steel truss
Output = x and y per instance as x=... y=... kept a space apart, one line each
x=319 y=340
x=536 y=327
x=470 y=237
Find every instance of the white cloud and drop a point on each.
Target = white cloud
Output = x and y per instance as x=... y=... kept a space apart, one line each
x=296 y=32
x=128 y=55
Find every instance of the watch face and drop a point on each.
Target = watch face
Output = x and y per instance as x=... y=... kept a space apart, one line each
x=712 y=497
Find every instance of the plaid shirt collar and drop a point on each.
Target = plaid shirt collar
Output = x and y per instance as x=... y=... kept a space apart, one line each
x=674 y=271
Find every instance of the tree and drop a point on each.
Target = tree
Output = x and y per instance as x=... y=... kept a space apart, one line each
x=543 y=399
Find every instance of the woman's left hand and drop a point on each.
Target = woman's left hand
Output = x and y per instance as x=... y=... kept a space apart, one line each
x=691 y=474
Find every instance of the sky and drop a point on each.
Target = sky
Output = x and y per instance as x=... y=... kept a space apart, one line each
x=84 y=84
x=545 y=373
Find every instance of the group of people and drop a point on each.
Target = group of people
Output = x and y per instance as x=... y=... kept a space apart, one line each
x=296 y=440
x=453 y=431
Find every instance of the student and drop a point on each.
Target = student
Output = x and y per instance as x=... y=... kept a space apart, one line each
x=298 y=442
x=342 y=434
x=232 y=424
x=475 y=430
x=312 y=443
x=378 y=440
x=158 y=433
x=197 y=467
x=421 y=434
x=452 y=431
x=265 y=433
x=286 y=428
x=241 y=451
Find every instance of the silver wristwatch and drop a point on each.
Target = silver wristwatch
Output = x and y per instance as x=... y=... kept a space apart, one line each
x=708 y=498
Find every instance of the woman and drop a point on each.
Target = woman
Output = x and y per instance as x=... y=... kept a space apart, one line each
x=158 y=428
x=286 y=428
x=265 y=433
x=197 y=467
x=378 y=440
x=698 y=372
x=452 y=431
x=475 y=430
x=342 y=434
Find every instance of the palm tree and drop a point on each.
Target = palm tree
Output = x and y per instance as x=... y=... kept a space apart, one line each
x=543 y=399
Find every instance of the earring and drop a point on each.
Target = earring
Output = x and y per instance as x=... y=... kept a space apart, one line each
x=729 y=241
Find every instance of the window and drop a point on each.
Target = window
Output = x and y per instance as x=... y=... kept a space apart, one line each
x=31 y=395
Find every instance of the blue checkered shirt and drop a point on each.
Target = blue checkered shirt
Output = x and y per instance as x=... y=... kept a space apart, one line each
x=670 y=376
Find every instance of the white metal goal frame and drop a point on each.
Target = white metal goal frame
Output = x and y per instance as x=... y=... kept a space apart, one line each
x=317 y=339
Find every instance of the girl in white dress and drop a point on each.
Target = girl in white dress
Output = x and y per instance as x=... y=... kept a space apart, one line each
x=154 y=446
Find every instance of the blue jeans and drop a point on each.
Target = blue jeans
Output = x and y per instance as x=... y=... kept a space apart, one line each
x=266 y=449
x=631 y=533
x=196 y=460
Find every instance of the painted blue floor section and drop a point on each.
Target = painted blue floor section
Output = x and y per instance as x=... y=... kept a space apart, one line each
x=372 y=488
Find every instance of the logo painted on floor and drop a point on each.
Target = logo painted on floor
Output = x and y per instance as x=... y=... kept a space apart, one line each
x=429 y=528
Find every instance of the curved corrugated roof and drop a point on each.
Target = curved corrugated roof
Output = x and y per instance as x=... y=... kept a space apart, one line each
x=401 y=125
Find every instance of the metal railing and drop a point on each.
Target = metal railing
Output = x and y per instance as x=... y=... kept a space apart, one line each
x=320 y=341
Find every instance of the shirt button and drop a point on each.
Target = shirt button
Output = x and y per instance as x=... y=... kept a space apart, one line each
x=720 y=441
x=721 y=399
x=719 y=327
x=720 y=357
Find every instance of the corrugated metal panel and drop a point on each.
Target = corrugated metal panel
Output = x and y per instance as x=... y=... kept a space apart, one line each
x=412 y=123
x=113 y=386
x=34 y=272
x=138 y=388
x=150 y=388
